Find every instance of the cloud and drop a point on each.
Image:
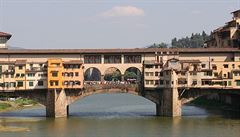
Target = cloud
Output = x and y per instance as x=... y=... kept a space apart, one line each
x=123 y=11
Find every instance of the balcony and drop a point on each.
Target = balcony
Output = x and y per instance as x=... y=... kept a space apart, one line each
x=36 y=69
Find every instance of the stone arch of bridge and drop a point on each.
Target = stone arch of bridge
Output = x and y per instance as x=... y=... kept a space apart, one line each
x=192 y=94
x=92 y=74
x=82 y=95
x=135 y=70
x=112 y=73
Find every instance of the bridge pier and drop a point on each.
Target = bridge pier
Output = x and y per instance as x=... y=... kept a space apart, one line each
x=56 y=105
x=169 y=105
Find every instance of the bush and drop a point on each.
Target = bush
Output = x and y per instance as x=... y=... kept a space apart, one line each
x=4 y=106
x=24 y=101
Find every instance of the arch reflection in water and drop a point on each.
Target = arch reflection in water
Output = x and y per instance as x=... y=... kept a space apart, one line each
x=112 y=105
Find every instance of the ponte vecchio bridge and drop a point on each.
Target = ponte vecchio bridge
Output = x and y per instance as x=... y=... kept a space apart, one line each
x=167 y=77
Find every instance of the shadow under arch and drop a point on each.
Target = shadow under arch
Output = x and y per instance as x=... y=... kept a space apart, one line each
x=112 y=74
x=92 y=74
x=133 y=73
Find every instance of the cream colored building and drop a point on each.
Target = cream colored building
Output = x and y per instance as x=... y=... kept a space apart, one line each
x=228 y=35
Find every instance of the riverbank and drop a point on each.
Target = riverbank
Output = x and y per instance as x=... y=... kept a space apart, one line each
x=16 y=104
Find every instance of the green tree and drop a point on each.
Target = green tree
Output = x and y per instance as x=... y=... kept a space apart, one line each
x=130 y=75
x=161 y=45
x=195 y=41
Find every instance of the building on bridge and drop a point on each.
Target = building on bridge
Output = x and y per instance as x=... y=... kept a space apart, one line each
x=228 y=35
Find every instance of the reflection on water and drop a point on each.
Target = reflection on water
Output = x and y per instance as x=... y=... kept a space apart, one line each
x=120 y=115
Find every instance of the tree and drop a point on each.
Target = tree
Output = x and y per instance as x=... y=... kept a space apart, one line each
x=195 y=41
x=130 y=75
x=116 y=75
x=161 y=45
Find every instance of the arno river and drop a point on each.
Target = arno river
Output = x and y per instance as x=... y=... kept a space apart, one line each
x=119 y=115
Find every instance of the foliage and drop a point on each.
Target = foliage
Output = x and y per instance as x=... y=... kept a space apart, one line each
x=130 y=75
x=113 y=76
x=24 y=101
x=161 y=45
x=4 y=106
x=195 y=41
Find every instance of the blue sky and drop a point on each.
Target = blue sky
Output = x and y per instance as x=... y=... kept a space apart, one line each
x=109 y=23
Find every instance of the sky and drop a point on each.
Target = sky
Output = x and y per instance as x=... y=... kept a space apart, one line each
x=81 y=24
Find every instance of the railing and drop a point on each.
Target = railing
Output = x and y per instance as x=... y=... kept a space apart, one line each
x=107 y=86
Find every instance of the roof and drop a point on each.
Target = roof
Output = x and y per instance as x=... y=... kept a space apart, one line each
x=190 y=61
x=7 y=62
x=236 y=11
x=20 y=62
x=117 y=51
x=4 y=34
x=73 y=62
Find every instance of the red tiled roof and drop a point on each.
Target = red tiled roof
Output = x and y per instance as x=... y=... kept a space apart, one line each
x=3 y=34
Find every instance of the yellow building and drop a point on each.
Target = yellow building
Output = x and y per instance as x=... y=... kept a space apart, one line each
x=55 y=70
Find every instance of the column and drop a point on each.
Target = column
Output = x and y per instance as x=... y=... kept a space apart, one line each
x=56 y=105
x=170 y=105
x=122 y=59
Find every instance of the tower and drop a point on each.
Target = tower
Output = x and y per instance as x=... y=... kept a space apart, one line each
x=4 y=37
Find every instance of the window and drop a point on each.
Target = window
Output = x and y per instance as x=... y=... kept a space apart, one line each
x=225 y=65
x=56 y=83
x=156 y=66
x=112 y=59
x=238 y=82
x=203 y=65
x=214 y=67
x=19 y=84
x=20 y=67
x=215 y=74
x=151 y=73
x=92 y=59
x=76 y=74
x=161 y=82
x=167 y=82
x=132 y=58
x=156 y=73
x=17 y=75
x=22 y=75
x=156 y=82
x=229 y=83
x=30 y=83
x=40 y=83
x=233 y=66
x=30 y=74
x=161 y=74
x=149 y=66
x=54 y=74
x=194 y=82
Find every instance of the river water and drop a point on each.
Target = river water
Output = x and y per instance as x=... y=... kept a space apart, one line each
x=118 y=115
